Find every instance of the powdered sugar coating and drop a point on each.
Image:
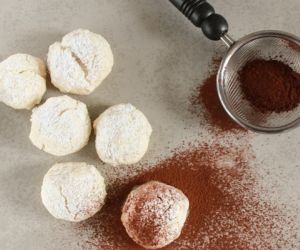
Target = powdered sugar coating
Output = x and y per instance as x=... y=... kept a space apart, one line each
x=22 y=81
x=73 y=191
x=80 y=62
x=60 y=126
x=122 y=135
x=154 y=214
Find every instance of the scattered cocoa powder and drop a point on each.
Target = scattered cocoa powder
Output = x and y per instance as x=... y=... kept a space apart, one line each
x=225 y=210
x=270 y=85
x=216 y=113
x=206 y=95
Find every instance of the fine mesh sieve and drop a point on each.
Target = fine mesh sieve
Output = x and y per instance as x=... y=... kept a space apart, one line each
x=267 y=45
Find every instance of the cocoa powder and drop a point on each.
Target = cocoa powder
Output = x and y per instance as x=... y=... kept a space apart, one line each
x=270 y=85
x=293 y=46
x=206 y=95
x=225 y=211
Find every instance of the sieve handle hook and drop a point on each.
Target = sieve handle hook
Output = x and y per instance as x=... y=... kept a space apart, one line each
x=202 y=15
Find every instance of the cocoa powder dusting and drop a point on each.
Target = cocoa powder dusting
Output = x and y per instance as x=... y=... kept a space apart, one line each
x=206 y=95
x=225 y=210
x=215 y=113
x=270 y=85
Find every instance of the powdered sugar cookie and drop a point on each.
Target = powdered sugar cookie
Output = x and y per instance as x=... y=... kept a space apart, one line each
x=122 y=135
x=60 y=126
x=22 y=81
x=154 y=214
x=80 y=62
x=73 y=191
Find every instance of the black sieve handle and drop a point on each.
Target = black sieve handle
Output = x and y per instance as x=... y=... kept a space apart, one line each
x=202 y=15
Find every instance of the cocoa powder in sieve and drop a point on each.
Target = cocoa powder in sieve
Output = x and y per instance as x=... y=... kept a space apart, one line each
x=270 y=85
x=225 y=211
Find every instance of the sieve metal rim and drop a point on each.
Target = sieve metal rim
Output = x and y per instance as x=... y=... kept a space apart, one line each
x=221 y=85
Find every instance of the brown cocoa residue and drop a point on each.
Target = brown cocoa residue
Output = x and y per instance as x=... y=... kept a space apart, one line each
x=225 y=210
x=270 y=85
x=206 y=95
x=294 y=46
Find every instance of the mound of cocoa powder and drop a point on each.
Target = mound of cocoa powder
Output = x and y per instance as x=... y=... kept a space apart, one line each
x=225 y=211
x=270 y=85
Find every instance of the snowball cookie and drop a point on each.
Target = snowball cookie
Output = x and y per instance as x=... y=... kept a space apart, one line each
x=80 y=62
x=60 y=126
x=154 y=214
x=73 y=191
x=122 y=135
x=22 y=81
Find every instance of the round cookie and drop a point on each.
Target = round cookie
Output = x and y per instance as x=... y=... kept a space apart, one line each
x=154 y=214
x=122 y=135
x=80 y=62
x=60 y=126
x=73 y=191
x=22 y=81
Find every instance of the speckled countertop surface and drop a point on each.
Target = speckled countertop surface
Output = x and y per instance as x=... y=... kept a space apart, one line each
x=159 y=58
